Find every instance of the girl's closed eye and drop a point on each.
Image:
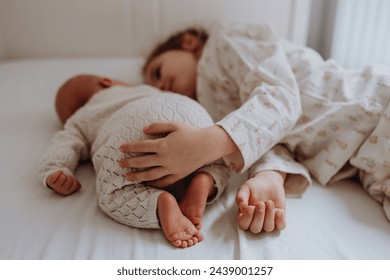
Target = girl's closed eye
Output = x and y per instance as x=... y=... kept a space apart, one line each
x=157 y=73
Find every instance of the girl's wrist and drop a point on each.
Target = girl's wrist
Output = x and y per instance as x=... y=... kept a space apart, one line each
x=275 y=174
x=220 y=142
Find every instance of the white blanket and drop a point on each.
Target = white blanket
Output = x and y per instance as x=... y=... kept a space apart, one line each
x=336 y=222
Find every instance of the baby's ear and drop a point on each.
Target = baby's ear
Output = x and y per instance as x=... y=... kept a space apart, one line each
x=190 y=42
x=105 y=82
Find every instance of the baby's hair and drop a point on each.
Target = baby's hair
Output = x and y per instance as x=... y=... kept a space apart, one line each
x=174 y=42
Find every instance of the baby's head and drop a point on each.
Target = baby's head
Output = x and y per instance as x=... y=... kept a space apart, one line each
x=76 y=91
x=172 y=65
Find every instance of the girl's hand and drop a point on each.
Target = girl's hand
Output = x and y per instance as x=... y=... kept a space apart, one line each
x=62 y=183
x=183 y=150
x=261 y=202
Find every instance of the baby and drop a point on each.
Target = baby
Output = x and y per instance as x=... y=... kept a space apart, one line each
x=98 y=115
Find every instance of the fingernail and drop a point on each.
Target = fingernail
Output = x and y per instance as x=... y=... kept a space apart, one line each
x=260 y=207
x=270 y=203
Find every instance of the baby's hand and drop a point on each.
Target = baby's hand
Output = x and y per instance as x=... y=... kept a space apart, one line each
x=62 y=183
x=261 y=202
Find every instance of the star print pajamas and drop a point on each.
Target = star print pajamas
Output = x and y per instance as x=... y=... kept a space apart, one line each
x=289 y=110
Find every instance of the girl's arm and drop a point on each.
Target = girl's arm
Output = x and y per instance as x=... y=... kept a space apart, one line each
x=254 y=59
x=280 y=159
x=255 y=62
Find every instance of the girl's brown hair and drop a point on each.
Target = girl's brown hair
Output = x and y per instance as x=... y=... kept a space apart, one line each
x=175 y=43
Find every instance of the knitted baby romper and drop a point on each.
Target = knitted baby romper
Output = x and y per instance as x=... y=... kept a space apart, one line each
x=112 y=117
x=132 y=203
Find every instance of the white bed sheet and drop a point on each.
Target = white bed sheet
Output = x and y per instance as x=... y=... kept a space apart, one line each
x=337 y=222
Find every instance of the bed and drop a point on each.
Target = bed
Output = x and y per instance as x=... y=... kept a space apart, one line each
x=336 y=222
x=44 y=42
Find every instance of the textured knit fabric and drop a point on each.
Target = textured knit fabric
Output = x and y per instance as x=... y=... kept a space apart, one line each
x=289 y=110
x=112 y=117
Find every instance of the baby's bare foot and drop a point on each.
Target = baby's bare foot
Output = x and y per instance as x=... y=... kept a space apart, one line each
x=194 y=202
x=178 y=229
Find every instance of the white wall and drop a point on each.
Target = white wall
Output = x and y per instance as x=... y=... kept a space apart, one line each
x=45 y=28
x=320 y=36
x=58 y=28
x=361 y=33
x=353 y=32
x=2 y=46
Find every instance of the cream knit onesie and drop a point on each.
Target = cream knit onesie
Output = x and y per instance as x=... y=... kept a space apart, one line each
x=110 y=118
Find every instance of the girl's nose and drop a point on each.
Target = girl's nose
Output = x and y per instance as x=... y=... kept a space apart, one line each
x=160 y=85
x=164 y=85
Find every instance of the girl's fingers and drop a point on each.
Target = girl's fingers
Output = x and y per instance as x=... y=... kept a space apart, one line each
x=245 y=218
x=139 y=162
x=147 y=175
x=144 y=146
x=258 y=219
x=242 y=198
x=269 y=221
x=280 y=219
x=161 y=128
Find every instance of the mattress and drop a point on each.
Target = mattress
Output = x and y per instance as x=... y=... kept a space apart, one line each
x=336 y=222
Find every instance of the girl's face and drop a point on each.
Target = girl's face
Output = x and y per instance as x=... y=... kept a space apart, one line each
x=175 y=71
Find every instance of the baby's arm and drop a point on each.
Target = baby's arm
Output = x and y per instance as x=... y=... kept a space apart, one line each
x=61 y=158
x=62 y=183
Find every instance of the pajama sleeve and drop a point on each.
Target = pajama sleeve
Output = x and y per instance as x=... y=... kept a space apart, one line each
x=279 y=158
x=255 y=61
x=64 y=152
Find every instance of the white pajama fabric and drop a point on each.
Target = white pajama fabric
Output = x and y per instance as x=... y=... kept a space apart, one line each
x=373 y=162
x=289 y=110
x=112 y=117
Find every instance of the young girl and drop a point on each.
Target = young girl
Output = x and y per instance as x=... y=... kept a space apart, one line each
x=282 y=111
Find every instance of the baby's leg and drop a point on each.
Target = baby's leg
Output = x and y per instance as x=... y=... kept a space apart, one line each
x=132 y=205
x=144 y=207
x=199 y=190
x=178 y=229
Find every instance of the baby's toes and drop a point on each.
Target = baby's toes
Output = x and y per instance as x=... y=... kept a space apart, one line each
x=177 y=243
x=198 y=236
x=184 y=244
